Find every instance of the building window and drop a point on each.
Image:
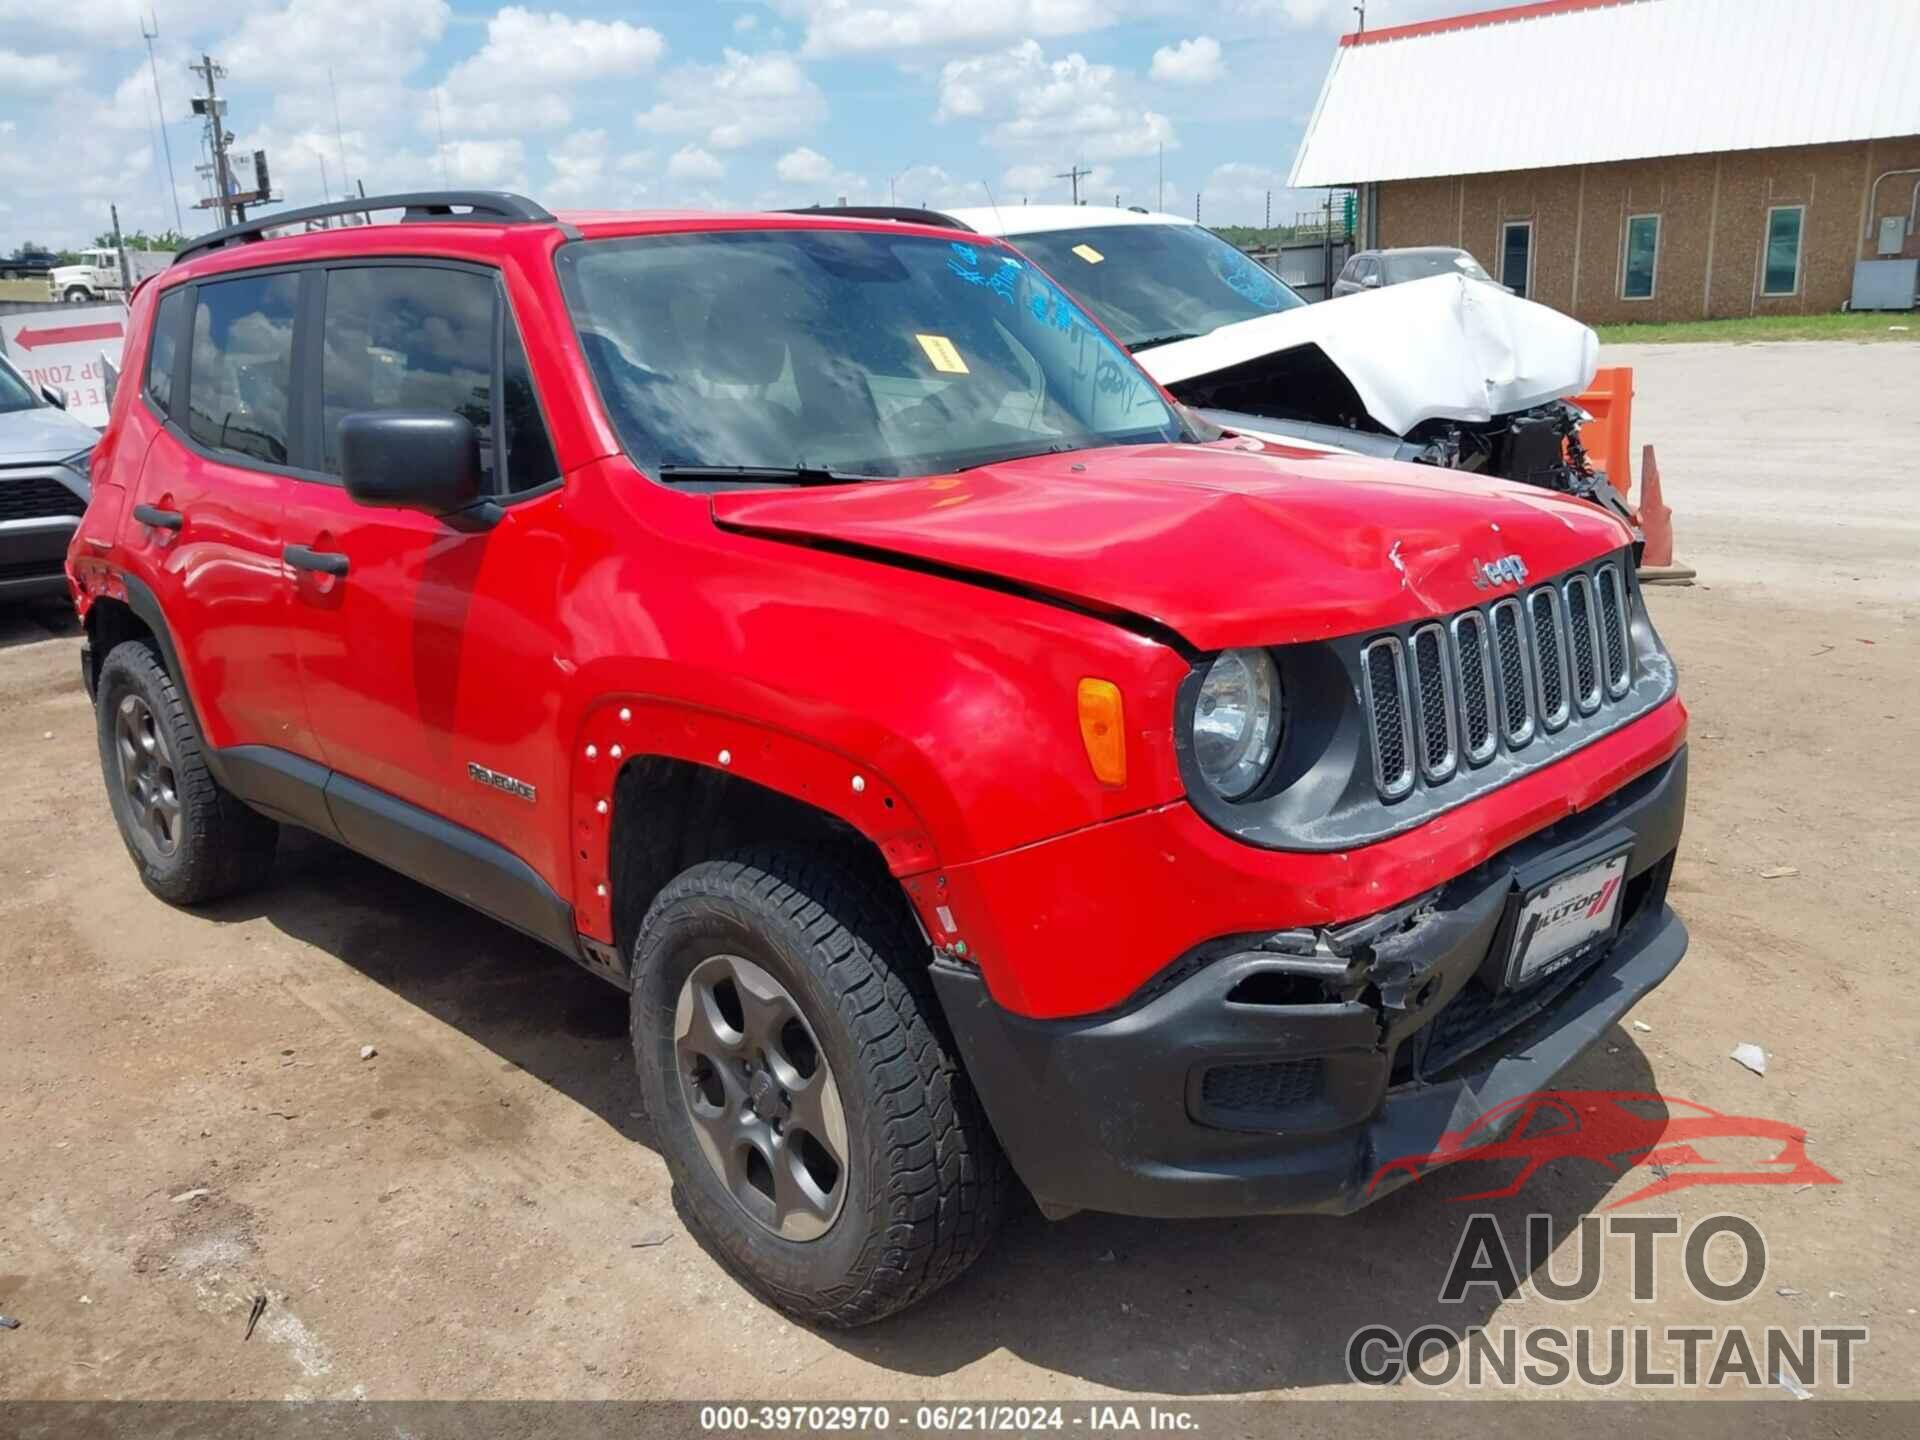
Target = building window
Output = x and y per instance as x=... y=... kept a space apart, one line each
x=1642 y=254
x=1516 y=256
x=1782 y=273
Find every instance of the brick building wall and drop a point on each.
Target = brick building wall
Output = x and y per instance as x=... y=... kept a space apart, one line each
x=1713 y=225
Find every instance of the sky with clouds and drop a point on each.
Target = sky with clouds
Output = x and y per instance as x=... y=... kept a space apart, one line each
x=726 y=103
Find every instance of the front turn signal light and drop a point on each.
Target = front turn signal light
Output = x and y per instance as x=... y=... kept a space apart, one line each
x=1103 y=730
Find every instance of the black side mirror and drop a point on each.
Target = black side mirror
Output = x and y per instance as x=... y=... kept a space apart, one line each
x=55 y=398
x=410 y=459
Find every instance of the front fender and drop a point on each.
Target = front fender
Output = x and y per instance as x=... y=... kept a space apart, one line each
x=617 y=728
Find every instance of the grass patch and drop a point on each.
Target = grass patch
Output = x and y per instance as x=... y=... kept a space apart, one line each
x=1866 y=325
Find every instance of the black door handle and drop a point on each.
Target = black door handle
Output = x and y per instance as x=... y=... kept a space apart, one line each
x=158 y=518
x=325 y=562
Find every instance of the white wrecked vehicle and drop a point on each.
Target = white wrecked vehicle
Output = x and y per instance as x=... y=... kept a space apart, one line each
x=1441 y=371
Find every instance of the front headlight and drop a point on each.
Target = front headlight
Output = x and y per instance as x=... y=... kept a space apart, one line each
x=1236 y=722
x=81 y=464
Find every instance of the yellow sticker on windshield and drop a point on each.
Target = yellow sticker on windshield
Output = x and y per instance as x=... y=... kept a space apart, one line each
x=940 y=351
x=1088 y=254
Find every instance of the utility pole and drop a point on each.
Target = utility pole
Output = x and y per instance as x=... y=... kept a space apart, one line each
x=1076 y=175
x=1196 y=207
x=214 y=109
x=160 y=107
x=120 y=251
x=1269 y=224
x=1361 y=10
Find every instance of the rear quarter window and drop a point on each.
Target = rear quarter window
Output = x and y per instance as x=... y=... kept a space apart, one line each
x=165 y=349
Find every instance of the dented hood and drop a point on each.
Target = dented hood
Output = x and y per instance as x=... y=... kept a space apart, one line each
x=1232 y=543
x=1441 y=348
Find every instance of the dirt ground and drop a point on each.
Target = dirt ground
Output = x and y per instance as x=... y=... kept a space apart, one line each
x=186 y=1120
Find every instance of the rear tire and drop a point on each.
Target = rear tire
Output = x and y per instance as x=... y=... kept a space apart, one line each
x=190 y=839
x=923 y=1184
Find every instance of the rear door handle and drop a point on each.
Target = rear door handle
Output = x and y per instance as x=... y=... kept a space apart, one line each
x=158 y=518
x=324 y=562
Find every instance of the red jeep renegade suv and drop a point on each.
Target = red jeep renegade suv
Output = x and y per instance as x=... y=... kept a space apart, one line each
x=973 y=766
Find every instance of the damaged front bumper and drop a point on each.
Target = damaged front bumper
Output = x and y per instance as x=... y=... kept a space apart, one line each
x=1278 y=1073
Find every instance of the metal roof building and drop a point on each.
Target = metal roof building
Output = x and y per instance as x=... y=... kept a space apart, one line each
x=1638 y=159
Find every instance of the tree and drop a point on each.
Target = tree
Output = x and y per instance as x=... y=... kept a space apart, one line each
x=141 y=240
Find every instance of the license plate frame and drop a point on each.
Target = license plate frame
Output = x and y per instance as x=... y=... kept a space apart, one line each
x=1542 y=942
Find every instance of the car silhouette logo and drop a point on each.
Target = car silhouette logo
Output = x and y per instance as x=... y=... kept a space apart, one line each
x=1621 y=1130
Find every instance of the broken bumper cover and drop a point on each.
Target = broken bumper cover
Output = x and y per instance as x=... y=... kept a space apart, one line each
x=1184 y=1103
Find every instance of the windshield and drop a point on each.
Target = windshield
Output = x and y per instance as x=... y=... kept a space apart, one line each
x=1419 y=264
x=15 y=393
x=858 y=352
x=1152 y=284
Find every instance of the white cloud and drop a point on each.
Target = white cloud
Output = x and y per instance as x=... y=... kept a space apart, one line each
x=807 y=176
x=487 y=163
x=690 y=162
x=742 y=24
x=741 y=101
x=526 y=75
x=586 y=171
x=1191 y=62
x=37 y=74
x=1071 y=105
x=804 y=167
x=1236 y=194
x=294 y=45
x=838 y=27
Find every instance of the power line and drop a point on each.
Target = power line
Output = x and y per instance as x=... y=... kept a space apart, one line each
x=160 y=109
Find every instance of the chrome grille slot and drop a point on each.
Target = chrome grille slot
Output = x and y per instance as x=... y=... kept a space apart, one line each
x=1475 y=686
x=1613 y=632
x=1383 y=673
x=1434 y=694
x=1510 y=670
x=1549 y=656
x=1584 y=644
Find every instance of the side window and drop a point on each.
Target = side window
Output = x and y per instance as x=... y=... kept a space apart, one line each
x=242 y=356
x=407 y=337
x=530 y=461
x=165 y=348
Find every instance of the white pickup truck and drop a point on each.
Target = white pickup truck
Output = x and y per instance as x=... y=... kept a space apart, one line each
x=97 y=276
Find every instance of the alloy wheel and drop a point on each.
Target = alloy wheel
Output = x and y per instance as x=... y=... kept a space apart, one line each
x=147 y=773
x=763 y=1101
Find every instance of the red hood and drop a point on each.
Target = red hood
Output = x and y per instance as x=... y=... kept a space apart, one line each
x=1232 y=543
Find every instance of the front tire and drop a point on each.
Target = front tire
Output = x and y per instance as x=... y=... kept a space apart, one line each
x=804 y=1090
x=190 y=839
x=76 y=295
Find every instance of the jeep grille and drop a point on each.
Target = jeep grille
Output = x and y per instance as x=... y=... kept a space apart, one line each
x=1451 y=694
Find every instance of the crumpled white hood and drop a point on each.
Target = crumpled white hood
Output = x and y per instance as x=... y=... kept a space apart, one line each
x=1441 y=348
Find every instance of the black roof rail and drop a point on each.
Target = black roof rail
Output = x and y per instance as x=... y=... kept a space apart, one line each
x=905 y=214
x=492 y=206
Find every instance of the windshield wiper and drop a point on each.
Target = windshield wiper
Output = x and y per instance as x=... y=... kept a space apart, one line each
x=1060 y=449
x=1137 y=346
x=801 y=474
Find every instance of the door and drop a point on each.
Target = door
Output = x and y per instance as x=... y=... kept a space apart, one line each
x=204 y=533
x=1516 y=256
x=429 y=643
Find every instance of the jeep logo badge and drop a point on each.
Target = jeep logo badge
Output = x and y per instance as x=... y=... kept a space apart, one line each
x=1507 y=570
